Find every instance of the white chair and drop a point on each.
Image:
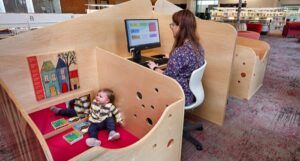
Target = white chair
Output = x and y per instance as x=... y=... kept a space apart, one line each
x=196 y=87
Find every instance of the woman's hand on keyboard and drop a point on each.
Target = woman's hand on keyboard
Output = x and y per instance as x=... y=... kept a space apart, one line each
x=152 y=65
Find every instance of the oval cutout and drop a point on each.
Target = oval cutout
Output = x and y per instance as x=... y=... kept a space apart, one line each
x=135 y=115
x=152 y=107
x=149 y=121
x=143 y=105
x=139 y=95
x=156 y=89
x=170 y=143
x=243 y=74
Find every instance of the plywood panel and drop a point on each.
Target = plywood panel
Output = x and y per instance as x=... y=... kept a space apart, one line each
x=14 y=71
x=242 y=71
x=156 y=93
x=104 y=28
x=28 y=141
x=249 y=67
x=218 y=40
x=261 y=48
x=160 y=141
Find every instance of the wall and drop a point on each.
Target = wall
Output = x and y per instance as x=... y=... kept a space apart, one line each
x=254 y=3
x=76 y=6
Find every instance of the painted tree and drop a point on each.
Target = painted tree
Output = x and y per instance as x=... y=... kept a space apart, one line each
x=69 y=57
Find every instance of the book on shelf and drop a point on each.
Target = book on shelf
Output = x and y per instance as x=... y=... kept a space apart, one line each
x=73 y=136
x=82 y=127
x=59 y=123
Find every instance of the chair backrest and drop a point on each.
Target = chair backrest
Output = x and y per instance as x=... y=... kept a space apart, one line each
x=196 y=87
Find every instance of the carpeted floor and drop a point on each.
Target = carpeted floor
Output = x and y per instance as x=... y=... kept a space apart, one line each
x=265 y=128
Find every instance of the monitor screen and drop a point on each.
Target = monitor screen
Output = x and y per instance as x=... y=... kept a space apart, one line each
x=142 y=34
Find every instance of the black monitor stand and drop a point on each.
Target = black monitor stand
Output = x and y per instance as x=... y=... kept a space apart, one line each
x=138 y=58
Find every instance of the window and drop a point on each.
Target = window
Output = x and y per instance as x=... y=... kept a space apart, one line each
x=201 y=5
x=62 y=72
x=46 y=79
x=53 y=77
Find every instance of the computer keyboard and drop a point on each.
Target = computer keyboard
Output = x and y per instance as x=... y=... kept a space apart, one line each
x=161 y=61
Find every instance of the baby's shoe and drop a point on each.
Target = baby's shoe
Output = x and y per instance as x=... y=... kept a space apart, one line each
x=55 y=109
x=91 y=142
x=113 y=135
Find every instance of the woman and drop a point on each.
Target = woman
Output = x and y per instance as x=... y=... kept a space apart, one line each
x=187 y=53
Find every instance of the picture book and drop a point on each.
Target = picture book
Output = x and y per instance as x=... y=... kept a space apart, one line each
x=74 y=119
x=59 y=123
x=73 y=137
x=82 y=127
x=53 y=74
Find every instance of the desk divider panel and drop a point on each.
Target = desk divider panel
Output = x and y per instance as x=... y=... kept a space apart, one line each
x=218 y=41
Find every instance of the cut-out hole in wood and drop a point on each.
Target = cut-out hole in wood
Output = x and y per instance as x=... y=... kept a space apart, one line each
x=244 y=63
x=135 y=115
x=243 y=74
x=167 y=105
x=170 y=143
x=239 y=81
x=149 y=121
x=154 y=145
x=139 y=95
x=152 y=106
x=143 y=105
x=156 y=89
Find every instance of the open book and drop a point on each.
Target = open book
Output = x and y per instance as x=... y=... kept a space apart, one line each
x=73 y=136
x=82 y=127
x=59 y=123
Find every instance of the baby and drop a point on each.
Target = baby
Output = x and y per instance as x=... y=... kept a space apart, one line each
x=103 y=115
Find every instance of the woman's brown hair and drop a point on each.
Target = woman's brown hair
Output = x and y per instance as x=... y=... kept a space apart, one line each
x=186 y=21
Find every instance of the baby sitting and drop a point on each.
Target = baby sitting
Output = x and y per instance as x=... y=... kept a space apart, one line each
x=103 y=115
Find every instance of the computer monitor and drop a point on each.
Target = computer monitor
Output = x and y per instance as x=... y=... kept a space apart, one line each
x=141 y=34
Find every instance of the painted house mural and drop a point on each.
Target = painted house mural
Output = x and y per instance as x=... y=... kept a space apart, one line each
x=50 y=80
x=62 y=75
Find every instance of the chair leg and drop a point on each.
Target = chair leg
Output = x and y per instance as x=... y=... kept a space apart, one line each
x=187 y=135
x=197 y=126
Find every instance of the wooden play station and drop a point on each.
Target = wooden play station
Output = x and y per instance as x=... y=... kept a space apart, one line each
x=150 y=103
x=250 y=62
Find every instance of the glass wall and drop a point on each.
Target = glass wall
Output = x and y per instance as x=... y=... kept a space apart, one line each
x=15 y=6
x=46 y=6
x=201 y=5
x=203 y=8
